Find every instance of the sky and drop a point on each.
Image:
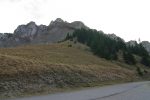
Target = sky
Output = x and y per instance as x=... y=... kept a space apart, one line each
x=129 y=19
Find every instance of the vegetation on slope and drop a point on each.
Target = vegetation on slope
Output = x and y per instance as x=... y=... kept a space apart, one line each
x=106 y=47
x=43 y=68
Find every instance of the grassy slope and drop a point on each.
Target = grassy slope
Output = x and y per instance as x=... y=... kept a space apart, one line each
x=39 y=68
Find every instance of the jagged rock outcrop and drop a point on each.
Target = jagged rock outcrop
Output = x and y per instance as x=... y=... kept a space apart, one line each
x=56 y=31
x=28 y=30
x=38 y=34
x=78 y=25
x=5 y=36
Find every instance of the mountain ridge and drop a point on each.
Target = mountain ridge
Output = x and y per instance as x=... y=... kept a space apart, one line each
x=87 y=58
x=56 y=31
x=31 y=33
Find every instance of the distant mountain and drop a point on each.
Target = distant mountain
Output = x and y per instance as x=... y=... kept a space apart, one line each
x=38 y=34
x=56 y=31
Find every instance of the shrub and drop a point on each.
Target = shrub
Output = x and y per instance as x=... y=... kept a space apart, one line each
x=129 y=58
x=145 y=61
x=139 y=71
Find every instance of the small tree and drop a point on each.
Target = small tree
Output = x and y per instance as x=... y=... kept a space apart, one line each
x=67 y=37
x=145 y=61
x=139 y=71
x=129 y=58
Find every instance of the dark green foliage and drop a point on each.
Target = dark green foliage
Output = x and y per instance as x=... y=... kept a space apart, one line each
x=100 y=44
x=69 y=37
x=138 y=49
x=129 y=58
x=139 y=71
x=145 y=61
x=105 y=47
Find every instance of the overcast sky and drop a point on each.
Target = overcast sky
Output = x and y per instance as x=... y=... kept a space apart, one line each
x=129 y=19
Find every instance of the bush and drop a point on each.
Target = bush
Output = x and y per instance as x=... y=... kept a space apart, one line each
x=106 y=47
x=99 y=43
x=139 y=71
x=145 y=61
x=129 y=58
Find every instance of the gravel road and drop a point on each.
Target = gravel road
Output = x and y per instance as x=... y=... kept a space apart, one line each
x=128 y=91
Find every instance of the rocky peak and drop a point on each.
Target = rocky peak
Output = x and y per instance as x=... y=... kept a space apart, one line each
x=31 y=23
x=32 y=33
x=131 y=43
x=27 y=30
x=79 y=25
x=59 y=20
x=42 y=29
x=61 y=23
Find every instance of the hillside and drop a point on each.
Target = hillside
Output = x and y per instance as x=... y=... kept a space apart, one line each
x=56 y=31
x=109 y=46
x=36 y=69
x=40 y=59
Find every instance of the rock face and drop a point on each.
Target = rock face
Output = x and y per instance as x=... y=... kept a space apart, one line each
x=146 y=44
x=38 y=34
x=56 y=31
x=28 y=30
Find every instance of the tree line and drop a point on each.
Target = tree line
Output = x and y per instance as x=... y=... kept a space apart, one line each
x=106 y=47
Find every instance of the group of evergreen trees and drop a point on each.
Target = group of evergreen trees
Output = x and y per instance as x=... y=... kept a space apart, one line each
x=139 y=50
x=106 y=47
x=100 y=43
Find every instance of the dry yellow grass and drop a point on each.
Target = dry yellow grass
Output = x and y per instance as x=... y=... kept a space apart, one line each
x=37 y=68
x=42 y=57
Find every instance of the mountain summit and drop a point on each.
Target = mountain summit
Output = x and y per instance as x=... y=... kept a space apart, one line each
x=56 y=31
x=32 y=33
